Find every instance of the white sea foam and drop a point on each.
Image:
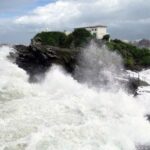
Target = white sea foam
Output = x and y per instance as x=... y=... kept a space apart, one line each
x=62 y=114
x=144 y=91
x=143 y=75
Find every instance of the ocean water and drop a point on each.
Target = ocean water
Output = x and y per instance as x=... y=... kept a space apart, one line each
x=62 y=113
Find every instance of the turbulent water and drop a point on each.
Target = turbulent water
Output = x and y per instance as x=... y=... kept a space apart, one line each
x=61 y=113
x=99 y=67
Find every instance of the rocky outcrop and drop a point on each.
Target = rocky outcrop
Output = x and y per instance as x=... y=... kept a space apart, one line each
x=37 y=58
x=144 y=43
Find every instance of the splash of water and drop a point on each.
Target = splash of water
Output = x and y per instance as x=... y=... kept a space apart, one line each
x=63 y=114
x=99 y=67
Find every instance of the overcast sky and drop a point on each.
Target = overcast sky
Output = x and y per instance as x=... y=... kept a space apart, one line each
x=20 y=20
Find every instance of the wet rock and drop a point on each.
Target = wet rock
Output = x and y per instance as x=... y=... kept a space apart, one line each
x=134 y=83
x=148 y=117
x=37 y=58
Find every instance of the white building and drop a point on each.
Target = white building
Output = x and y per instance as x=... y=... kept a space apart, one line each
x=98 y=31
x=67 y=32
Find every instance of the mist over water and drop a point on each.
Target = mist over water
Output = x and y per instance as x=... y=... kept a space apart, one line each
x=62 y=114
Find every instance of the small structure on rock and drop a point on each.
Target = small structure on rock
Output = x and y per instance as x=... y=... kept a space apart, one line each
x=98 y=31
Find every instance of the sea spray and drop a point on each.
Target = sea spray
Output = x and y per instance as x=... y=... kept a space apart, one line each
x=99 y=67
x=62 y=114
x=14 y=80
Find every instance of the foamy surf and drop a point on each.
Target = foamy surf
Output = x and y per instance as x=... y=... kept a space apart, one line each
x=62 y=114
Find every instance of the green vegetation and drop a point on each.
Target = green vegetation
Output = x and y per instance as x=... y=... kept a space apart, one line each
x=106 y=37
x=77 y=38
x=52 y=38
x=133 y=56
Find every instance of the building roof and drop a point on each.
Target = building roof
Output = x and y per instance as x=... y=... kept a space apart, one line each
x=96 y=26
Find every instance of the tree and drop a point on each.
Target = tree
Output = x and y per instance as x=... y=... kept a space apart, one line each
x=106 y=37
x=80 y=37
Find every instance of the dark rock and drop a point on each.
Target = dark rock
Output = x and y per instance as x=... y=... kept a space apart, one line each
x=134 y=83
x=148 y=117
x=37 y=58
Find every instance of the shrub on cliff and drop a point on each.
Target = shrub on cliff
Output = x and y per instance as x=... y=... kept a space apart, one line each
x=132 y=55
x=77 y=38
x=52 y=38
x=106 y=37
x=81 y=37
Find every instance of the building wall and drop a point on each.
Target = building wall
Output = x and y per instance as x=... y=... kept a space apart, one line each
x=98 y=31
x=92 y=31
x=101 y=31
x=67 y=32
